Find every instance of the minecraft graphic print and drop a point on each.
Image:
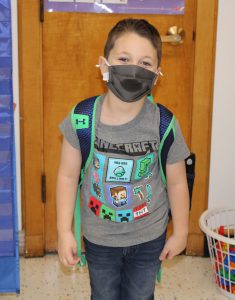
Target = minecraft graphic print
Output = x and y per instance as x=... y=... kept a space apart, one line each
x=120 y=188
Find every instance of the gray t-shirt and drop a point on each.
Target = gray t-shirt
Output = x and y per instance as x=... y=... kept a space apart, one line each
x=124 y=200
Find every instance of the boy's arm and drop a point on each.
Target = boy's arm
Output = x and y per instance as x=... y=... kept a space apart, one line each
x=179 y=202
x=66 y=188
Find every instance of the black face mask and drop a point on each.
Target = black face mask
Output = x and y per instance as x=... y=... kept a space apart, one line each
x=130 y=82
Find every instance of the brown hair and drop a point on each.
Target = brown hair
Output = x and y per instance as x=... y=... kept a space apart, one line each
x=138 y=26
x=117 y=189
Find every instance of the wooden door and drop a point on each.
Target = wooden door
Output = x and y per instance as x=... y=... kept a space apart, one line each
x=71 y=44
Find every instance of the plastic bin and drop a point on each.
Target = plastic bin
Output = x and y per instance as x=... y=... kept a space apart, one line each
x=219 y=227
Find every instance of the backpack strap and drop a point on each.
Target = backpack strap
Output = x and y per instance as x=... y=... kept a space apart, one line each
x=83 y=122
x=167 y=136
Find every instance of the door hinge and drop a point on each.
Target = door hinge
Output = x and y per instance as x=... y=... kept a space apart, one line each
x=41 y=11
x=43 y=188
x=194 y=35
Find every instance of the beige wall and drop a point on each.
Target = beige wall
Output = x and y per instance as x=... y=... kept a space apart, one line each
x=222 y=172
x=16 y=100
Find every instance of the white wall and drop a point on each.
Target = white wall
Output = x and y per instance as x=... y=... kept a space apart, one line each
x=222 y=172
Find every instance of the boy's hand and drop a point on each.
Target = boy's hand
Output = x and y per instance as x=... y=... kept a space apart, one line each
x=174 y=245
x=67 y=249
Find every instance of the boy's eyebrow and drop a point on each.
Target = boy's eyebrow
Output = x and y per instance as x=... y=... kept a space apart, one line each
x=128 y=53
x=147 y=56
x=123 y=52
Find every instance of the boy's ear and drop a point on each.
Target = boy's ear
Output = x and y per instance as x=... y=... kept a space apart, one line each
x=103 y=65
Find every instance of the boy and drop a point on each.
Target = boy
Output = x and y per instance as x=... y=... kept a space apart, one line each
x=124 y=245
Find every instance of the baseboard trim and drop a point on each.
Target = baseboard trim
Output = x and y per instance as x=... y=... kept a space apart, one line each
x=21 y=236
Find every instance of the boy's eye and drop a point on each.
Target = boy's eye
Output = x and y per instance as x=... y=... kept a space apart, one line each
x=146 y=64
x=123 y=59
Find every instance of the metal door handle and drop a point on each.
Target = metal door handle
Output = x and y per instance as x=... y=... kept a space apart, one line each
x=175 y=36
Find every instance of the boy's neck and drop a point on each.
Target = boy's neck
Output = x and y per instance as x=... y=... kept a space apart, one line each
x=117 y=112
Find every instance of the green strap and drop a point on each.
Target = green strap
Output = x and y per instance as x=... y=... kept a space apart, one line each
x=150 y=98
x=78 y=229
x=159 y=275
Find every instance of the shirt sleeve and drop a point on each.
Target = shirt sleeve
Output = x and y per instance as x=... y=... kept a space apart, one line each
x=179 y=150
x=68 y=132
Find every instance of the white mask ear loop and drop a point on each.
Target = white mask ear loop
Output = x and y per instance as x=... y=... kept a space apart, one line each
x=158 y=73
x=105 y=60
x=105 y=74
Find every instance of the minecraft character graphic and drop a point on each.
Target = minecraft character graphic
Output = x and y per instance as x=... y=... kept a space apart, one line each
x=107 y=213
x=119 y=195
x=137 y=191
x=143 y=166
x=95 y=205
x=96 y=177
x=97 y=190
x=124 y=215
x=96 y=164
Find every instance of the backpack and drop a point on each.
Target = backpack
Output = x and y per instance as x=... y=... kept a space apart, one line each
x=83 y=122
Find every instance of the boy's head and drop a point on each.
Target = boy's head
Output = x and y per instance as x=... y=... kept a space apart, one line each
x=138 y=26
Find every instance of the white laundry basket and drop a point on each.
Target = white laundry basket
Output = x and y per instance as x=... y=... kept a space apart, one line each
x=219 y=227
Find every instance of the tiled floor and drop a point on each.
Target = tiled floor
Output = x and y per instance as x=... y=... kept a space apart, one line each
x=183 y=278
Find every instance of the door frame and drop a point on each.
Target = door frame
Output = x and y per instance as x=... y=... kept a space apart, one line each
x=31 y=116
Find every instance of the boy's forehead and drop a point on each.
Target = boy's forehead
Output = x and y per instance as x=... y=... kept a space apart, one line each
x=133 y=43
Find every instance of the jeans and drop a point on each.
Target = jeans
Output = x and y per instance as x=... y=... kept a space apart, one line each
x=124 y=273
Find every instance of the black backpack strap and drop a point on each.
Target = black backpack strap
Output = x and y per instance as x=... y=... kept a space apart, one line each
x=167 y=136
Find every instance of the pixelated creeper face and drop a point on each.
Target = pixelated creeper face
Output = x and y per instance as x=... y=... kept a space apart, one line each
x=107 y=213
x=124 y=216
x=95 y=205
